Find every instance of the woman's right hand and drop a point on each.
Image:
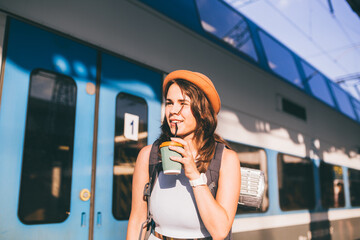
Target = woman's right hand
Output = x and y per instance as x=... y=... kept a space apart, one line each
x=187 y=159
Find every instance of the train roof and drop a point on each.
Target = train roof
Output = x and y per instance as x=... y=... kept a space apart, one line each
x=222 y=24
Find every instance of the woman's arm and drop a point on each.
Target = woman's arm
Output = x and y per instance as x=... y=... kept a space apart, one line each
x=138 y=212
x=217 y=214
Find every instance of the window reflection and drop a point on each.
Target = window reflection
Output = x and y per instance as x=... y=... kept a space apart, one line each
x=296 y=183
x=354 y=180
x=317 y=84
x=252 y=157
x=343 y=101
x=332 y=186
x=226 y=24
x=48 y=149
x=357 y=108
x=280 y=60
x=126 y=151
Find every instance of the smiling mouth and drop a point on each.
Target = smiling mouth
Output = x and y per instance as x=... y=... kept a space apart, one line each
x=174 y=122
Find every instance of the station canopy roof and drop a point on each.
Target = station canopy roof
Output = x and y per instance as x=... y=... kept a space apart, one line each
x=355 y=5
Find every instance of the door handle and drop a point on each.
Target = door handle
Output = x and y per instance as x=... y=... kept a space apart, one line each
x=85 y=195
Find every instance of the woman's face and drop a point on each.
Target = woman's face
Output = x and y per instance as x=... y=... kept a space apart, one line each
x=178 y=111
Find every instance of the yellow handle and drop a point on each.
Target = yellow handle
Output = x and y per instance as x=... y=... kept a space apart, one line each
x=85 y=195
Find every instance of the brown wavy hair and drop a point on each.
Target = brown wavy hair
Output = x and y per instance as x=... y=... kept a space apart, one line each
x=206 y=122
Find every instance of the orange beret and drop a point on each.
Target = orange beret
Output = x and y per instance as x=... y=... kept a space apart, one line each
x=200 y=80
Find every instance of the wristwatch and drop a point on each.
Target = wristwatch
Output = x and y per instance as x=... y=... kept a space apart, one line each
x=202 y=180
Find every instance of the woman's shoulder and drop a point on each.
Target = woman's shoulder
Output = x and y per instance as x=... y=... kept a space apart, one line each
x=230 y=157
x=146 y=150
x=229 y=153
x=144 y=154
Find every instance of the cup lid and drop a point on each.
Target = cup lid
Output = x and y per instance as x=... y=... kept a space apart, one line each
x=170 y=143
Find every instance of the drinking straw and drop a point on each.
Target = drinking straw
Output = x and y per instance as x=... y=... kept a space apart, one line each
x=176 y=129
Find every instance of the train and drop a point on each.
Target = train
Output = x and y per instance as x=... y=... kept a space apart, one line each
x=80 y=95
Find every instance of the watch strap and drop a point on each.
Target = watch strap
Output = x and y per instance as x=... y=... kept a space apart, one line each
x=200 y=181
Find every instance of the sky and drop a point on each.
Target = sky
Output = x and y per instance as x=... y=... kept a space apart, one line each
x=329 y=40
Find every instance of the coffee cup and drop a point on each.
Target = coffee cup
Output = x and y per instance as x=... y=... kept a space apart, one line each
x=170 y=167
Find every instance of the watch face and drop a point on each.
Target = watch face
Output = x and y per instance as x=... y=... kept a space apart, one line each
x=202 y=180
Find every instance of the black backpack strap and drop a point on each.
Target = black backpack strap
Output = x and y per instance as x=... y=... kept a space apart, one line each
x=212 y=173
x=154 y=154
x=155 y=165
x=154 y=168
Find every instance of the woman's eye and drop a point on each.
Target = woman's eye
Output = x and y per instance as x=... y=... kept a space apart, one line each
x=168 y=103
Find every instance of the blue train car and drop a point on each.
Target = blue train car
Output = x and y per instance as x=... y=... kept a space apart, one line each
x=80 y=95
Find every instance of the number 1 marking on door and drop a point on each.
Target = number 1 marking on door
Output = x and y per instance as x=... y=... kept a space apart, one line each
x=131 y=126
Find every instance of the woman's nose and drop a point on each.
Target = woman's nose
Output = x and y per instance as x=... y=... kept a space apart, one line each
x=176 y=109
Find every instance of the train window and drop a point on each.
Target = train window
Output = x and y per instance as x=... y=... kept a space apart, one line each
x=252 y=157
x=317 y=84
x=131 y=112
x=220 y=20
x=343 y=101
x=48 y=149
x=354 y=180
x=280 y=60
x=332 y=186
x=296 y=183
x=357 y=108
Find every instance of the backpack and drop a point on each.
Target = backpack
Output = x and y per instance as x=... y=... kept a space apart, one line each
x=155 y=166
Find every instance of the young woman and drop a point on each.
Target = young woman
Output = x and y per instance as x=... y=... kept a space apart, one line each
x=180 y=210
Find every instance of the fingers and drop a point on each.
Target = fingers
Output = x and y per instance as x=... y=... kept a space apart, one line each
x=188 y=163
x=178 y=149
x=185 y=158
x=181 y=141
x=185 y=155
x=181 y=150
x=176 y=159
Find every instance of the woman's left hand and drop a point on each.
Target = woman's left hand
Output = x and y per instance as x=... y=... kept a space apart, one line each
x=187 y=159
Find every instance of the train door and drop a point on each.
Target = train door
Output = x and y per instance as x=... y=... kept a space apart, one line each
x=129 y=118
x=46 y=135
